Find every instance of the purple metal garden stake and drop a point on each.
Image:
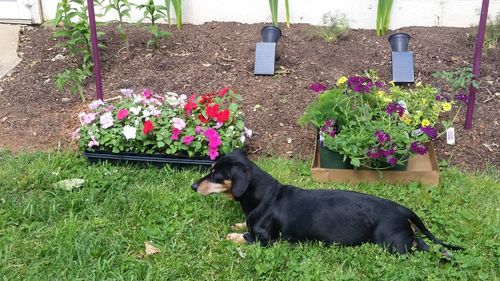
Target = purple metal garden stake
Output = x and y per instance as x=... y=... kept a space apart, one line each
x=471 y=101
x=95 y=51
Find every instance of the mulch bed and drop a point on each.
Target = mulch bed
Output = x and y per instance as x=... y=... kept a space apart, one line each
x=203 y=58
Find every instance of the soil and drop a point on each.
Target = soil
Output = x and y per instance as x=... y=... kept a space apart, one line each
x=203 y=58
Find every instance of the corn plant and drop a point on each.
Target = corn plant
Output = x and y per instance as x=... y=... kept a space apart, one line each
x=71 y=22
x=153 y=13
x=177 y=4
x=122 y=8
x=383 y=16
x=273 y=5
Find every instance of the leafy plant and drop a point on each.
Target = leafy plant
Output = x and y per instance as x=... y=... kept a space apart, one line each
x=383 y=16
x=492 y=34
x=334 y=27
x=72 y=24
x=273 y=5
x=194 y=126
x=122 y=8
x=459 y=79
x=153 y=13
x=177 y=4
x=375 y=124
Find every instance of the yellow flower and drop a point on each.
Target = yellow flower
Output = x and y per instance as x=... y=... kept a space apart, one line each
x=423 y=101
x=425 y=123
x=447 y=106
x=405 y=119
x=341 y=80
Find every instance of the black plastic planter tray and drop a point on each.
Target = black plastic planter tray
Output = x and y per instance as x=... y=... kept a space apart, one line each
x=159 y=160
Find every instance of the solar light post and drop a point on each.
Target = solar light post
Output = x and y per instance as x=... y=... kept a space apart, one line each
x=401 y=58
x=265 y=51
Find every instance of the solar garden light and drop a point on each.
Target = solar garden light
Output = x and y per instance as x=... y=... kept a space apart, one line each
x=265 y=51
x=402 y=59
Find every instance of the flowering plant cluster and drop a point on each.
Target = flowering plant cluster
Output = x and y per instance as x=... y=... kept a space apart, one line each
x=191 y=126
x=377 y=124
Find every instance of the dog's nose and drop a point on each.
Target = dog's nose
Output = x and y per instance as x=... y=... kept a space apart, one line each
x=194 y=186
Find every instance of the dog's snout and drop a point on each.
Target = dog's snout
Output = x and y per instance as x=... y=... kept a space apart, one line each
x=194 y=186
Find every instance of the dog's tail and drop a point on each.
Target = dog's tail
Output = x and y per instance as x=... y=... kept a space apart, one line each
x=420 y=225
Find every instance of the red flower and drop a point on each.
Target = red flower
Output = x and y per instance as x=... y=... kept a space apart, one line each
x=191 y=104
x=223 y=116
x=203 y=119
x=148 y=127
x=223 y=91
x=212 y=111
x=206 y=99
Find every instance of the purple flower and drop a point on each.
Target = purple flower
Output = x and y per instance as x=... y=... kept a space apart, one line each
x=317 y=87
x=379 y=84
x=360 y=84
x=395 y=107
x=388 y=152
x=442 y=97
x=429 y=131
x=382 y=137
x=328 y=128
x=462 y=96
x=418 y=148
x=374 y=154
x=392 y=161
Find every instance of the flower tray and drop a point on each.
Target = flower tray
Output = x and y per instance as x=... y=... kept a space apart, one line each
x=159 y=160
x=421 y=168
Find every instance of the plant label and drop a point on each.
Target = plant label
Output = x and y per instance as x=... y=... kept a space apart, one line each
x=265 y=53
x=450 y=136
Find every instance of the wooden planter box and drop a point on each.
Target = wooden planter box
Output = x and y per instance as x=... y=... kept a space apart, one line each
x=421 y=168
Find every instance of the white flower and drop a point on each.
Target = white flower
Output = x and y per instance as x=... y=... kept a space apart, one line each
x=127 y=92
x=129 y=132
x=178 y=123
x=95 y=104
x=242 y=138
x=218 y=125
x=93 y=142
x=138 y=98
x=135 y=110
x=175 y=100
x=146 y=113
x=248 y=132
x=106 y=120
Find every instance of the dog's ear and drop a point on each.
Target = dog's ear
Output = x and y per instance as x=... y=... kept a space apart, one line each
x=240 y=180
x=240 y=151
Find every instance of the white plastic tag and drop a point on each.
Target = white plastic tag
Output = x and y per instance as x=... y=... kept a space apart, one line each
x=450 y=135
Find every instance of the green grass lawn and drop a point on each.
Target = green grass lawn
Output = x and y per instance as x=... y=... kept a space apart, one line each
x=98 y=231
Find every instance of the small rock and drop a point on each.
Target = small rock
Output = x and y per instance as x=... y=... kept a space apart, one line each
x=65 y=99
x=281 y=124
x=289 y=140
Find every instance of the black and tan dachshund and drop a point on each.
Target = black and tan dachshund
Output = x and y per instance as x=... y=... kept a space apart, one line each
x=274 y=211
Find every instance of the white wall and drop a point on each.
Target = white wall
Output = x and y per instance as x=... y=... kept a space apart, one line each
x=361 y=13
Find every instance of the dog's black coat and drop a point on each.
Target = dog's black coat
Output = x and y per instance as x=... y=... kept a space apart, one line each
x=274 y=211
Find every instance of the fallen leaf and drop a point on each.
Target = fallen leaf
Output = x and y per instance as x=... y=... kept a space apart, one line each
x=150 y=249
x=69 y=184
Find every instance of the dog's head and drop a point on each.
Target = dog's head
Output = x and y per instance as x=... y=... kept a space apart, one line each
x=229 y=175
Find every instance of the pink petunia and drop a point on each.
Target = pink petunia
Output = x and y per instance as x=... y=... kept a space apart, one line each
x=175 y=134
x=187 y=139
x=198 y=130
x=122 y=114
x=147 y=94
x=213 y=142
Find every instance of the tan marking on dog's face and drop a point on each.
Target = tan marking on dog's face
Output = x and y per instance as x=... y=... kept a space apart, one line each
x=236 y=238
x=206 y=187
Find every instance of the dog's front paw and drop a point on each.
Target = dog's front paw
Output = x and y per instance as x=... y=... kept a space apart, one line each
x=239 y=226
x=236 y=238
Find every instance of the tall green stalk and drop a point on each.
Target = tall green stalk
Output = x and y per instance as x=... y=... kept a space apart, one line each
x=383 y=16
x=273 y=5
x=177 y=4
